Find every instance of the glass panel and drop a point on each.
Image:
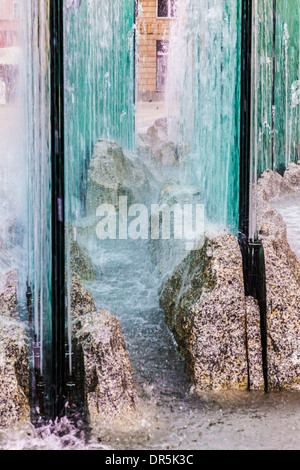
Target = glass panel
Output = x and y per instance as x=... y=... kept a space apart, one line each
x=203 y=103
x=152 y=112
x=99 y=108
x=25 y=186
x=275 y=113
x=287 y=67
x=142 y=164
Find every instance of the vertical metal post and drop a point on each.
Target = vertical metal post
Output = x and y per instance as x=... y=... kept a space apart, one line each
x=245 y=125
x=58 y=229
x=273 y=83
x=252 y=250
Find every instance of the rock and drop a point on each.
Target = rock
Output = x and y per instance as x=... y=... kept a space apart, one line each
x=274 y=185
x=112 y=174
x=108 y=376
x=167 y=254
x=80 y=262
x=292 y=175
x=5 y=257
x=157 y=133
x=14 y=373
x=81 y=299
x=206 y=310
x=283 y=297
x=14 y=357
x=8 y=295
x=217 y=328
x=167 y=155
x=109 y=389
x=165 y=152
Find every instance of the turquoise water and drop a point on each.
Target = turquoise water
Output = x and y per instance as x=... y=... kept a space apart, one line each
x=203 y=99
x=203 y=110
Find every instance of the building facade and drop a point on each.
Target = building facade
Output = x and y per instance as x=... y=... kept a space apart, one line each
x=9 y=23
x=9 y=47
x=153 y=21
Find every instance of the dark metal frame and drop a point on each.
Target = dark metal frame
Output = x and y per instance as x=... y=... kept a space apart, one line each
x=58 y=228
x=252 y=250
x=273 y=82
x=245 y=123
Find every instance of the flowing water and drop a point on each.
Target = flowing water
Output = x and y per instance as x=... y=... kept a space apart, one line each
x=171 y=415
x=99 y=50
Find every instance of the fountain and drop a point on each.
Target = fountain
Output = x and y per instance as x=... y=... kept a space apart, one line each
x=77 y=285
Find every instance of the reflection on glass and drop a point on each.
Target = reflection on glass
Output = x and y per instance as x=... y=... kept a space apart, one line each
x=152 y=168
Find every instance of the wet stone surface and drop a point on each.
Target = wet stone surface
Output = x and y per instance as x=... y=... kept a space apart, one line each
x=206 y=310
x=283 y=284
x=109 y=388
x=112 y=174
x=216 y=327
x=14 y=357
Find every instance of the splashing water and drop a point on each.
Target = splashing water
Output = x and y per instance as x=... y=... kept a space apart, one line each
x=202 y=99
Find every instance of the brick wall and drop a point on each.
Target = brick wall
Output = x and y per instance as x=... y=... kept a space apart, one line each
x=9 y=25
x=150 y=29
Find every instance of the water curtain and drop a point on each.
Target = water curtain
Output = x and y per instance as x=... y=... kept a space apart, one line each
x=275 y=84
x=99 y=67
x=203 y=99
x=34 y=88
x=203 y=103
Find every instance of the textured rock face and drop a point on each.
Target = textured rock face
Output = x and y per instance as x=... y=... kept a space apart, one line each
x=217 y=328
x=207 y=311
x=8 y=294
x=167 y=254
x=274 y=186
x=14 y=373
x=14 y=357
x=292 y=175
x=109 y=384
x=82 y=301
x=80 y=262
x=164 y=152
x=113 y=174
x=283 y=290
x=109 y=389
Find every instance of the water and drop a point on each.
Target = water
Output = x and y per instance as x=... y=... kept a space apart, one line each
x=99 y=92
x=203 y=100
x=99 y=85
x=172 y=416
x=275 y=75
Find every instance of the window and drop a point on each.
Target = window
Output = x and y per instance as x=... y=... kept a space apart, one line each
x=161 y=64
x=3 y=14
x=16 y=11
x=166 y=8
